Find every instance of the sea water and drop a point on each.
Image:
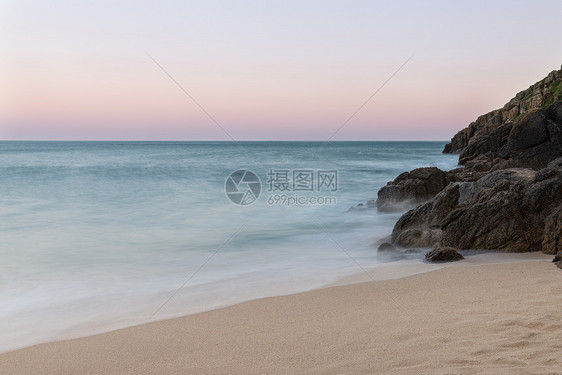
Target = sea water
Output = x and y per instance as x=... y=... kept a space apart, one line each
x=101 y=235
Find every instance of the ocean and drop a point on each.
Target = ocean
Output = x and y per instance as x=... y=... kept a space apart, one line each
x=96 y=236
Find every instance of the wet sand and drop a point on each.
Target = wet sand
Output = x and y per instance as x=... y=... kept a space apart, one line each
x=463 y=319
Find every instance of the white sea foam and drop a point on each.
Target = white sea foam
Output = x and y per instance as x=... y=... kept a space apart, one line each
x=99 y=235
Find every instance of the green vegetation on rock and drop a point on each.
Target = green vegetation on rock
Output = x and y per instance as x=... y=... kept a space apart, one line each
x=555 y=95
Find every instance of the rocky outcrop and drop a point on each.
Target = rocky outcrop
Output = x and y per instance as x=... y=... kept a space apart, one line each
x=481 y=135
x=411 y=188
x=532 y=141
x=508 y=195
x=481 y=145
x=443 y=254
x=512 y=210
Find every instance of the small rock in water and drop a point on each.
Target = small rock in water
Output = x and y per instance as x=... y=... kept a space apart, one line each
x=363 y=206
x=558 y=259
x=443 y=254
x=386 y=246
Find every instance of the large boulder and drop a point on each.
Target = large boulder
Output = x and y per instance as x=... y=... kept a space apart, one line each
x=411 y=188
x=529 y=131
x=489 y=216
x=535 y=139
x=513 y=210
x=421 y=226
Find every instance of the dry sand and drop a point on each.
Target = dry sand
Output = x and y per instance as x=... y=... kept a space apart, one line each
x=464 y=319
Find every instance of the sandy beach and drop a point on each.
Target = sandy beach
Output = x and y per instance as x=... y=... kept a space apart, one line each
x=463 y=319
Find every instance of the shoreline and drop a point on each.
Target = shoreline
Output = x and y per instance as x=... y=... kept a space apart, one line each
x=233 y=323
x=384 y=271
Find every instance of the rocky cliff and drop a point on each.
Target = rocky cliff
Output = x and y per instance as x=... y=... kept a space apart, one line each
x=508 y=194
x=485 y=133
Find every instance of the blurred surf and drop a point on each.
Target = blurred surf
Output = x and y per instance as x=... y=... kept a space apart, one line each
x=99 y=235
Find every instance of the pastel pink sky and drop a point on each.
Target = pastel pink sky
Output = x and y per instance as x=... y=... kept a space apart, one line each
x=266 y=70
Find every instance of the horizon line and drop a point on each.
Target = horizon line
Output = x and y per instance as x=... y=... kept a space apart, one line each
x=221 y=141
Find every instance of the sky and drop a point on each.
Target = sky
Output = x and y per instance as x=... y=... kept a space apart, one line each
x=266 y=70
